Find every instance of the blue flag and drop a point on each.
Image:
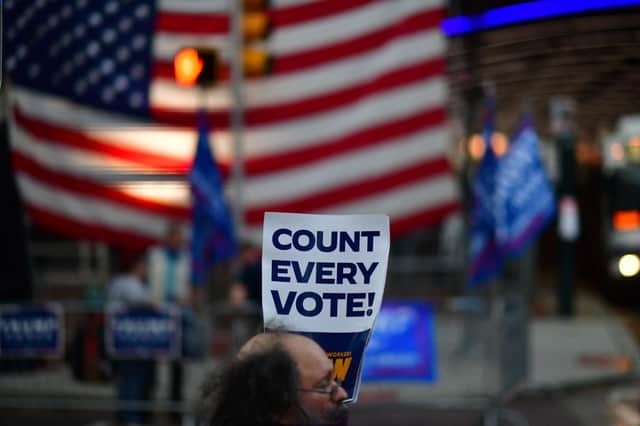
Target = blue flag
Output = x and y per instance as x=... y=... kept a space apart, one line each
x=486 y=258
x=212 y=236
x=513 y=202
x=524 y=193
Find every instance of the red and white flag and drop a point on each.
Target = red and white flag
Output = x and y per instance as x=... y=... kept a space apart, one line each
x=352 y=118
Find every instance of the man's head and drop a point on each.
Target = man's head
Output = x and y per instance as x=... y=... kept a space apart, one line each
x=277 y=378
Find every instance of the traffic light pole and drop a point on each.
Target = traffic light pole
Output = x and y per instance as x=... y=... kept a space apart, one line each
x=237 y=115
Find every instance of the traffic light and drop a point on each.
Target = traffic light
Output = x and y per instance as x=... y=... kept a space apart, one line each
x=196 y=65
x=256 y=26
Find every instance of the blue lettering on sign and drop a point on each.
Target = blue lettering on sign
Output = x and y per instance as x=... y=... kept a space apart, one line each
x=317 y=304
x=306 y=240
x=143 y=332
x=311 y=304
x=30 y=331
x=323 y=272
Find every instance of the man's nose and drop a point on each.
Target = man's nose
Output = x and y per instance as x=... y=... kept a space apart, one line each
x=341 y=394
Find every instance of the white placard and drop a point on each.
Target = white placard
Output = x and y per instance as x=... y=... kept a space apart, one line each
x=323 y=273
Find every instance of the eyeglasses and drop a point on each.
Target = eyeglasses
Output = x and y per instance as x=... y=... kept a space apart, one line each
x=331 y=390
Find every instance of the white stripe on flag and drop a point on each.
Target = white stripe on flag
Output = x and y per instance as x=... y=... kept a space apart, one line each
x=344 y=26
x=89 y=210
x=343 y=170
x=315 y=81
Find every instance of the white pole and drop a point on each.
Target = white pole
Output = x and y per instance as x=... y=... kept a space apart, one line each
x=237 y=114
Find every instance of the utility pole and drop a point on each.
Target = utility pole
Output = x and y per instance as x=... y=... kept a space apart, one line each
x=564 y=134
x=237 y=113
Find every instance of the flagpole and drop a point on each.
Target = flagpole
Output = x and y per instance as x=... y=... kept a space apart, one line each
x=237 y=115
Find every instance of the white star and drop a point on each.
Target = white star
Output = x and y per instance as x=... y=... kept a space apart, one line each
x=93 y=48
x=66 y=39
x=109 y=36
x=137 y=72
x=22 y=51
x=136 y=100
x=95 y=19
x=111 y=7
x=123 y=54
x=94 y=76
x=11 y=63
x=66 y=11
x=142 y=11
x=80 y=87
x=125 y=24
x=81 y=3
x=52 y=21
x=108 y=95
x=34 y=70
x=139 y=42
x=79 y=59
x=107 y=66
x=79 y=31
x=121 y=83
x=67 y=68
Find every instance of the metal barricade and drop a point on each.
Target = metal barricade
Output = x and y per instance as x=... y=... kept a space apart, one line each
x=482 y=344
x=82 y=377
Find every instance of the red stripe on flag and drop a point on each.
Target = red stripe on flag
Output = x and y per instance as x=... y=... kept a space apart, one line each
x=427 y=217
x=363 y=138
x=358 y=45
x=310 y=11
x=314 y=105
x=334 y=52
x=87 y=231
x=91 y=189
x=58 y=135
x=353 y=191
x=191 y=23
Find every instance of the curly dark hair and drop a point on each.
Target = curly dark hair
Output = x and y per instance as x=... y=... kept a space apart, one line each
x=258 y=389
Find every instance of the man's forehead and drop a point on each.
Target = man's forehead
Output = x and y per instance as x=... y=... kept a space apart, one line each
x=311 y=359
x=307 y=354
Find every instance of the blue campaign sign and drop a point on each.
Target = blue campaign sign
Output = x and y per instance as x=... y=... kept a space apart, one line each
x=143 y=332
x=402 y=347
x=31 y=331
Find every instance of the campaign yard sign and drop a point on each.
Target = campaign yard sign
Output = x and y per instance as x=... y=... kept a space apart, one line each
x=31 y=331
x=324 y=276
x=142 y=332
x=402 y=347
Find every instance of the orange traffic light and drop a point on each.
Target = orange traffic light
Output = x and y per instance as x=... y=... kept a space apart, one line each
x=256 y=26
x=255 y=62
x=196 y=66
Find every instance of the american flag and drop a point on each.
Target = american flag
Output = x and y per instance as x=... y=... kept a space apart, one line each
x=351 y=120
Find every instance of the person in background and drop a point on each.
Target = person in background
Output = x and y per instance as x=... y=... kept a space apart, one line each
x=248 y=273
x=134 y=377
x=278 y=378
x=169 y=273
